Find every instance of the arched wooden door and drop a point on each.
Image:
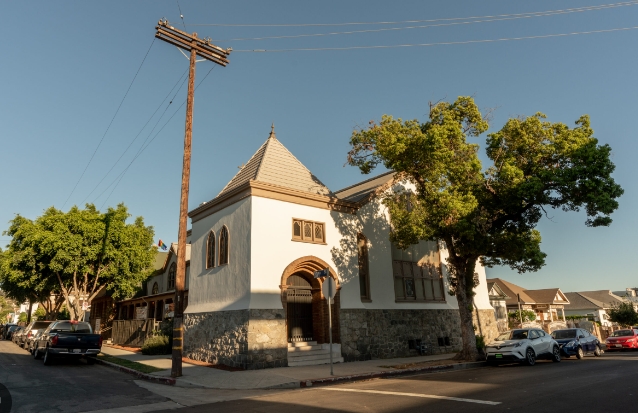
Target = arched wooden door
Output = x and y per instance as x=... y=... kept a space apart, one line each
x=299 y=309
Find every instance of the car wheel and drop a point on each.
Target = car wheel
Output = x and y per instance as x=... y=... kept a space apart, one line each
x=36 y=354
x=47 y=357
x=556 y=355
x=580 y=354
x=598 y=352
x=530 y=357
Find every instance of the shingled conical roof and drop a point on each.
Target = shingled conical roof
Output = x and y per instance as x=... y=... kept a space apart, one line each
x=274 y=164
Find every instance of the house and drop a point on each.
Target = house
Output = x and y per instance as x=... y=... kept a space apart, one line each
x=498 y=300
x=592 y=305
x=253 y=299
x=548 y=304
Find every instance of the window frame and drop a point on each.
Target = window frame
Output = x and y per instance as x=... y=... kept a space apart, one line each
x=172 y=268
x=210 y=261
x=363 y=259
x=312 y=239
x=422 y=278
x=155 y=288
x=227 y=255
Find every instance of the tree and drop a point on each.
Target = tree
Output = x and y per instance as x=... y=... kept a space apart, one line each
x=623 y=314
x=23 y=317
x=526 y=315
x=6 y=307
x=488 y=215
x=82 y=251
x=40 y=313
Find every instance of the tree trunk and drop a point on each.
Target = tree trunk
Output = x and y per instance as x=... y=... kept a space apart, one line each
x=29 y=312
x=469 y=351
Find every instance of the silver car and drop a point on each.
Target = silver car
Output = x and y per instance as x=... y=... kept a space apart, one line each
x=525 y=345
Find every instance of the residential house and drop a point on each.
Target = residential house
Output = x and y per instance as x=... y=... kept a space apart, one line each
x=498 y=300
x=253 y=297
x=548 y=304
x=592 y=305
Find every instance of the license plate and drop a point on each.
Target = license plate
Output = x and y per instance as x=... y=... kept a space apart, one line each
x=77 y=350
x=618 y=345
x=499 y=356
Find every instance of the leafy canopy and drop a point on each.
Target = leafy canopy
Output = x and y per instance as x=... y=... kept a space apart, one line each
x=623 y=314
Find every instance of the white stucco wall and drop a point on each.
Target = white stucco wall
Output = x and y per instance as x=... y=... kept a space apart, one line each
x=225 y=287
x=162 y=279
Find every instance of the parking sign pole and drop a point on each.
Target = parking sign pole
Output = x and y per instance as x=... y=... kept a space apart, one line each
x=328 y=280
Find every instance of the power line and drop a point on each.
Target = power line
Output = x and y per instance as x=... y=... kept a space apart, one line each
x=151 y=141
x=181 y=16
x=139 y=133
x=585 y=8
x=110 y=123
x=406 y=27
x=438 y=43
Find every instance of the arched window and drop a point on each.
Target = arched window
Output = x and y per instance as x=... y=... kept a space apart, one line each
x=155 y=289
x=210 y=250
x=223 y=246
x=364 y=274
x=172 y=272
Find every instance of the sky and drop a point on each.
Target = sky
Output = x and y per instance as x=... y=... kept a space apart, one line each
x=85 y=95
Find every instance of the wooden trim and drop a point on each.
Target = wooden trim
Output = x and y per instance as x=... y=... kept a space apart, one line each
x=270 y=191
x=302 y=238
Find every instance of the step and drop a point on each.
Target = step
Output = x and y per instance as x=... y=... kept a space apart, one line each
x=317 y=356
x=302 y=343
x=314 y=362
x=305 y=349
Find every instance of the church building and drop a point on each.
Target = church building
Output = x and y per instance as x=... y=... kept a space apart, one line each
x=254 y=303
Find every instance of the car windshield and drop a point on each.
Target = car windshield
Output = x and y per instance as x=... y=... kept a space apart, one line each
x=513 y=335
x=622 y=333
x=562 y=334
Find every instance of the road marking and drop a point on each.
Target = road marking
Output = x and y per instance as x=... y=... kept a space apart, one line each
x=426 y=396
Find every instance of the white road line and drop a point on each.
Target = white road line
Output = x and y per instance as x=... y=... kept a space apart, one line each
x=426 y=396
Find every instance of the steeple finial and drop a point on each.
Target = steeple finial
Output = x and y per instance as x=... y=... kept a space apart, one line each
x=272 y=131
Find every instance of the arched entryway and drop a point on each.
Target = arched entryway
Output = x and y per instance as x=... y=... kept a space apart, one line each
x=303 y=301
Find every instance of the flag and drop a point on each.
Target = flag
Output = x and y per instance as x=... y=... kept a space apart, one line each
x=161 y=245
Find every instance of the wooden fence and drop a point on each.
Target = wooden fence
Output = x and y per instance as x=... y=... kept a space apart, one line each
x=132 y=333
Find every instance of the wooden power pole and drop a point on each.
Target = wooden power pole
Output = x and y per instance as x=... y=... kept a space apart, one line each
x=207 y=50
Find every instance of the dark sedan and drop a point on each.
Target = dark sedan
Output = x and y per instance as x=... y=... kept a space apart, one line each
x=577 y=342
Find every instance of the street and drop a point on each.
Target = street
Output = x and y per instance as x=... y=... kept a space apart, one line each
x=592 y=384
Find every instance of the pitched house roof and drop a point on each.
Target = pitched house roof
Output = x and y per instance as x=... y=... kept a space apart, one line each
x=494 y=291
x=544 y=296
x=579 y=302
x=362 y=190
x=274 y=164
x=605 y=298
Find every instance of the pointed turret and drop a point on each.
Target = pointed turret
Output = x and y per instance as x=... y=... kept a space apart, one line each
x=274 y=164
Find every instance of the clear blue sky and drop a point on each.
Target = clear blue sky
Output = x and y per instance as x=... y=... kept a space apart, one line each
x=66 y=66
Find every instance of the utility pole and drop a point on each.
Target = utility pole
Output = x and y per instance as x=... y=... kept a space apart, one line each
x=207 y=50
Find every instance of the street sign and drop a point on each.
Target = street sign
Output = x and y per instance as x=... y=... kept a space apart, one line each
x=323 y=273
x=329 y=288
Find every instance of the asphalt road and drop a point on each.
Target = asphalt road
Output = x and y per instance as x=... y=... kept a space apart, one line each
x=66 y=386
x=605 y=384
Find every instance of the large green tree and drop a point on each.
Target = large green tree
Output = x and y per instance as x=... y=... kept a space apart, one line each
x=623 y=314
x=485 y=214
x=81 y=251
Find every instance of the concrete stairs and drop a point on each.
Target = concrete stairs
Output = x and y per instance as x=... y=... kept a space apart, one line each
x=309 y=353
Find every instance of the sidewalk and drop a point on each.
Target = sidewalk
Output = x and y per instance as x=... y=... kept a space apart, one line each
x=284 y=377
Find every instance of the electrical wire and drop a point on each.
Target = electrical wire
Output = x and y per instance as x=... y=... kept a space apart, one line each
x=151 y=141
x=585 y=8
x=545 y=14
x=544 y=36
x=140 y=132
x=180 y=14
x=110 y=123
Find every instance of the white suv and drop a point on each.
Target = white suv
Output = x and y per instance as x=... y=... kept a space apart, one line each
x=525 y=345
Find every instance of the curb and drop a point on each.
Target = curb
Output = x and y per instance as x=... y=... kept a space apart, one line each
x=148 y=377
x=381 y=374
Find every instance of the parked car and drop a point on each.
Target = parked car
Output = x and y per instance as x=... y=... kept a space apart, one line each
x=16 y=333
x=68 y=339
x=31 y=343
x=30 y=331
x=523 y=346
x=5 y=330
x=577 y=342
x=622 y=340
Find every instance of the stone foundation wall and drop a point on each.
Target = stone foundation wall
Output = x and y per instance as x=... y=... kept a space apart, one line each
x=248 y=339
x=267 y=341
x=368 y=334
x=219 y=337
x=488 y=326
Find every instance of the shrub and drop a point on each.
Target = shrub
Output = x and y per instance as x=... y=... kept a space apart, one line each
x=480 y=342
x=156 y=345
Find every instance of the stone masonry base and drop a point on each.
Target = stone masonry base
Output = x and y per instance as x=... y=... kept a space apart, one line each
x=248 y=339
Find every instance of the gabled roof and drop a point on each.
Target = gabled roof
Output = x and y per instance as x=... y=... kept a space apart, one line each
x=173 y=251
x=493 y=290
x=274 y=164
x=544 y=296
x=359 y=192
x=604 y=297
x=579 y=302
x=512 y=290
x=548 y=296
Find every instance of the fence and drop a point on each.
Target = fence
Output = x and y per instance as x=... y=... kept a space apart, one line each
x=132 y=333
